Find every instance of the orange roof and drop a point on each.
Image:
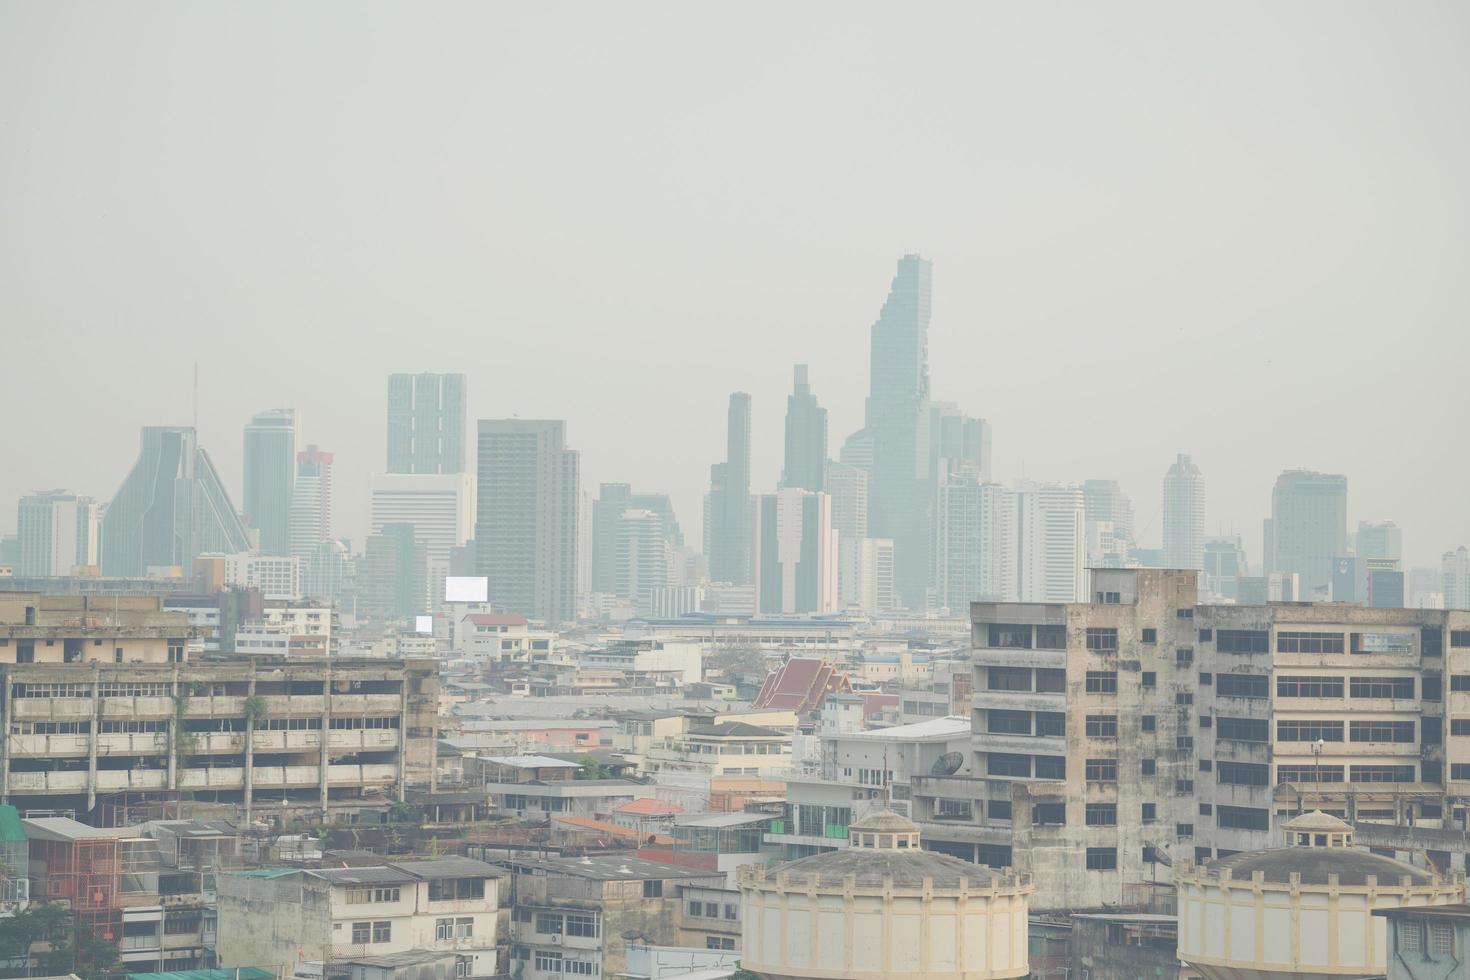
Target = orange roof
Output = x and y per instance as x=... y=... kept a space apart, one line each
x=603 y=827
x=649 y=806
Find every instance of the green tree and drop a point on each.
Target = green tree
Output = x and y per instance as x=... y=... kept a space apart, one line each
x=591 y=768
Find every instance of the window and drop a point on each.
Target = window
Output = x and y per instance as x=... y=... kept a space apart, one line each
x=1460 y=638
x=1147 y=767
x=1242 y=729
x=1051 y=723
x=1183 y=657
x=1206 y=635
x=1242 y=817
x=1205 y=809
x=1302 y=642
x=1184 y=613
x=1051 y=767
x=1051 y=637
x=1431 y=642
x=1308 y=730
x=585 y=925
x=1102 y=859
x=711 y=910
x=1000 y=722
x=1051 y=680
x=1243 y=641
x=1009 y=678
x=547 y=961
x=1184 y=831
x=653 y=888
x=362 y=933
x=1102 y=814
x=1243 y=774
x=1102 y=770
x=1243 y=686
x=1431 y=730
x=1460 y=726
x=1309 y=774
x=382 y=932
x=1441 y=939
x=696 y=909
x=1150 y=679
x=1184 y=786
x=364 y=896
x=1147 y=723
x=1431 y=687
x=1006 y=764
x=1206 y=765
x=719 y=942
x=1184 y=743
x=1381 y=731
x=1102 y=682
x=1381 y=687
x=1102 y=639
x=1382 y=774
x=732 y=911
x=1184 y=697
x=549 y=923
x=1458 y=682
x=1150 y=635
x=1411 y=936
x=1109 y=598
x=1008 y=635
x=999 y=809
x=1206 y=678
x=1311 y=686
x=1102 y=726
x=455 y=889
x=1049 y=814
x=1150 y=812
x=1459 y=770
x=1206 y=721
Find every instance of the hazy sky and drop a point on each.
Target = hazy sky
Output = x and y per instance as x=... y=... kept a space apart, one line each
x=1239 y=230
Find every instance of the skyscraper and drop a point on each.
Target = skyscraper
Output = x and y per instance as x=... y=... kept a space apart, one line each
x=171 y=508
x=975 y=541
x=311 y=503
x=1184 y=515
x=729 y=528
x=644 y=559
x=1454 y=569
x=953 y=435
x=426 y=423
x=270 y=472
x=1307 y=529
x=393 y=574
x=57 y=532
x=440 y=508
x=1384 y=540
x=1224 y=568
x=796 y=553
x=1049 y=527
x=1109 y=515
x=613 y=499
x=896 y=410
x=806 y=437
x=526 y=517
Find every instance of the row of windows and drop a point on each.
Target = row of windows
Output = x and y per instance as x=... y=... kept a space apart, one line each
x=1243 y=686
x=1046 y=766
x=711 y=910
x=570 y=924
x=461 y=928
x=1242 y=729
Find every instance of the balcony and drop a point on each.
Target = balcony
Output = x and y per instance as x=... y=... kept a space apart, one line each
x=1017 y=657
x=51 y=709
x=362 y=738
x=349 y=775
x=1021 y=744
x=116 y=780
x=123 y=708
x=134 y=743
x=48 y=782
x=226 y=778
x=209 y=706
x=293 y=705
x=282 y=777
x=1018 y=701
x=48 y=746
x=305 y=740
x=366 y=705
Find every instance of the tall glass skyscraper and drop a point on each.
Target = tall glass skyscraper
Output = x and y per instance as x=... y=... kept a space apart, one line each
x=270 y=473
x=806 y=437
x=427 y=416
x=731 y=521
x=1307 y=529
x=1184 y=515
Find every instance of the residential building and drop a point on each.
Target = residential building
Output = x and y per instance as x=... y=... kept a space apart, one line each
x=1049 y=528
x=500 y=637
x=806 y=437
x=57 y=532
x=975 y=540
x=171 y=507
x=896 y=413
x=729 y=538
x=644 y=558
x=526 y=518
x=647 y=659
x=1455 y=578
x=1184 y=515
x=311 y=503
x=1224 y=567
x=709 y=922
x=613 y=500
x=393 y=574
x=439 y=507
x=809 y=636
x=277 y=577
x=297 y=919
x=1307 y=528
x=1109 y=523
x=535 y=787
x=270 y=474
x=427 y=419
x=957 y=440
x=723 y=842
x=865 y=575
x=848 y=487
x=308 y=624
x=580 y=916
x=724 y=748
x=796 y=553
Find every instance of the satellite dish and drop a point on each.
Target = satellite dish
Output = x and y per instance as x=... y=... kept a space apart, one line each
x=947 y=764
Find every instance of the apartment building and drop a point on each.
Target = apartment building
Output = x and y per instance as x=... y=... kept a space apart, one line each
x=104 y=705
x=294 y=920
x=499 y=637
x=1141 y=724
x=725 y=748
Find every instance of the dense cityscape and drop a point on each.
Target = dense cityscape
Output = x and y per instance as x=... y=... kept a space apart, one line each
x=506 y=677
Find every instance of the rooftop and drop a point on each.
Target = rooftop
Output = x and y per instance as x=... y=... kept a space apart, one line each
x=532 y=762
x=937 y=729
x=613 y=868
x=1460 y=910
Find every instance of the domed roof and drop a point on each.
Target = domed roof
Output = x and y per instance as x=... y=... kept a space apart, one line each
x=1318 y=822
x=908 y=869
x=1314 y=864
x=884 y=821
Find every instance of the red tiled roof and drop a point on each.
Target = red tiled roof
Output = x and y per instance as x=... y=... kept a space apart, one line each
x=650 y=806
x=497 y=619
x=801 y=684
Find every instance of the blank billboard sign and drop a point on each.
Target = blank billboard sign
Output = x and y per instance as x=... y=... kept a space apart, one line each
x=423 y=624
x=466 y=588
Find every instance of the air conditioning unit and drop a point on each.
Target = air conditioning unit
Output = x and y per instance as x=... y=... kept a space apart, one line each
x=556 y=939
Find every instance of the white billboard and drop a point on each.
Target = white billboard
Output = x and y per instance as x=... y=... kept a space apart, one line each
x=466 y=588
x=423 y=624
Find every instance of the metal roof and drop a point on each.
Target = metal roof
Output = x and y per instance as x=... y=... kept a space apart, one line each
x=531 y=762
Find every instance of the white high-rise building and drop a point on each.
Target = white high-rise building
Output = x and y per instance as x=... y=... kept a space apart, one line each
x=975 y=542
x=847 y=485
x=865 y=575
x=795 y=553
x=645 y=560
x=1184 y=515
x=278 y=577
x=1050 y=540
x=57 y=532
x=441 y=508
x=1455 y=573
x=1109 y=524
x=311 y=503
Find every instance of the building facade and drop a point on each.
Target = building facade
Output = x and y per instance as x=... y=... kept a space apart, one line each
x=1307 y=528
x=270 y=475
x=806 y=437
x=57 y=532
x=427 y=418
x=796 y=553
x=728 y=523
x=1184 y=515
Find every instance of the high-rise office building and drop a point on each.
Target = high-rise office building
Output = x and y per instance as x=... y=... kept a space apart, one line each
x=1109 y=523
x=172 y=507
x=896 y=415
x=806 y=437
x=1050 y=528
x=1224 y=568
x=427 y=416
x=848 y=487
x=1385 y=540
x=796 y=553
x=975 y=541
x=954 y=436
x=311 y=503
x=57 y=532
x=439 y=507
x=1184 y=515
x=1454 y=569
x=1307 y=530
x=865 y=575
x=728 y=525
x=644 y=559
x=613 y=500
x=526 y=517
x=393 y=575
x=270 y=473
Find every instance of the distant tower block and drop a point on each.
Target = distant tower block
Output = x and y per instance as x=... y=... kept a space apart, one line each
x=884 y=908
x=1304 y=910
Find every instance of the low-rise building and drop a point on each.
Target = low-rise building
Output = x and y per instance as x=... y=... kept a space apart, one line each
x=1428 y=942
x=484 y=637
x=733 y=748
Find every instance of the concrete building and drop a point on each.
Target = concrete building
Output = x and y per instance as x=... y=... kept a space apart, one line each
x=1109 y=523
x=311 y=503
x=848 y=487
x=885 y=907
x=270 y=475
x=808 y=636
x=1049 y=525
x=1307 y=528
x=795 y=553
x=682 y=661
x=301 y=920
x=439 y=507
x=1224 y=567
x=1427 y=942
x=57 y=533
x=526 y=518
x=276 y=577
x=1384 y=540
x=724 y=748
x=865 y=575
x=644 y=558
x=806 y=437
x=393 y=580
x=172 y=507
x=427 y=418
x=499 y=637
x=1455 y=578
x=613 y=500
x=975 y=541
x=1184 y=515
x=728 y=534
x=957 y=440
